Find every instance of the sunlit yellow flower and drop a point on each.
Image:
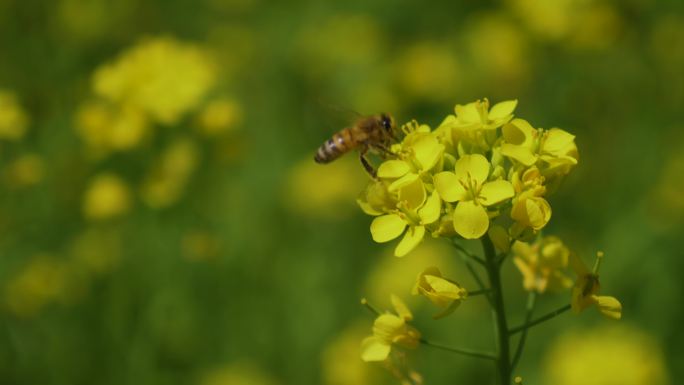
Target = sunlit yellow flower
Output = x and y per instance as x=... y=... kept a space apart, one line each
x=555 y=149
x=585 y=291
x=530 y=209
x=106 y=197
x=610 y=355
x=105 y=127
x=443 y=292
x=390 y=226
x=161 y=76
x=388 y=330
x=166 y=181
x=219 y=116
x=469 y=187
x=475 y=123
x=13 y=119
x=542 y=264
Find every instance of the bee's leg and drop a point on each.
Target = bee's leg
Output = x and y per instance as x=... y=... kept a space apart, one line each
x=366 y=164
x=384 y=151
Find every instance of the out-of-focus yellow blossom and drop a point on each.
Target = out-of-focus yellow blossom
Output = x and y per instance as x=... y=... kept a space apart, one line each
x=585 y=291
x=499 y=50
x=97 y=249
x=105 y=127
x=615 y=355
x=200 y=245
x=530 y=209
x=106 y=197
x=336 y=185
x=219 y=116
x=42 y=281
x=166 y=182
x=542 y=263
x=428 y=70
x=13 y=119
x=340 y=360
x=26 y=170
x=161 y=76
x=469 y=187
x=237 y=373
x=443 y=292
x=388 y=330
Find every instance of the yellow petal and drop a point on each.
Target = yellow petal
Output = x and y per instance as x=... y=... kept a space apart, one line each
x=500 y=238
x=558 y=142
x=468 y=113
x=520 y=153
x=519 y=132
x=496 y=191
x=413 y=194
x=427 y=151
x=411 y=239
x=609 y=306
x=403 y=181
x=387 y=227
x=393 y=169
x=449 y=187
x=502 y=110
x=474 y=166
x=429 y=213
x=374 y=350
x=401 y=308
x=444 y=288
x=470 y=220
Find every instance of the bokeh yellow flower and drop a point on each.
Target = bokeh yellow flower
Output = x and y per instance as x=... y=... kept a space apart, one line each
x=165 y=183
x=340 y=363
x=388 y=330
x=219 y=116
x=443 y=292
x=43 y=280
x=26 y=170
x=107 y=196
x=162 y=76
x=587 y=286
x=13 y=119
x=542 y=264
x=609 y=355
x=237 y=373
x=106 y=127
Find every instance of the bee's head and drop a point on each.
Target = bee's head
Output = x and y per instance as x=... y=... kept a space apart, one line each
x=387 y=122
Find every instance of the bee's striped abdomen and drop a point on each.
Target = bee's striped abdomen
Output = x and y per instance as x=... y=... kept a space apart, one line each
x=335 y=147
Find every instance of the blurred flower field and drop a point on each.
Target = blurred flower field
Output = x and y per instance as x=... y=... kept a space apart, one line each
x=162 y=220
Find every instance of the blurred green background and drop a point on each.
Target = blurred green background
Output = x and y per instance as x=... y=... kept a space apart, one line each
x=162 y=220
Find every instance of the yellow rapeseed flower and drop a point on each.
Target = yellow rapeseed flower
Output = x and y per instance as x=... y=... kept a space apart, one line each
x=161 y=76
x=585 y=291
x=530 y=209
x=542 y=264
x=219 y=116
x=165 y=183
x=105 y=127
x=469 y=187
x=106 y=197
x=389 y=330
x=443 y=292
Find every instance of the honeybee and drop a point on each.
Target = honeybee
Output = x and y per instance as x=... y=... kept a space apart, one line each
x=375 y=132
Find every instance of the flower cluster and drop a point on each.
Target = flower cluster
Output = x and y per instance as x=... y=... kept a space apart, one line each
x=481 y=170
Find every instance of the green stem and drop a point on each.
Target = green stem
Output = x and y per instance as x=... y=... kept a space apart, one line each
x=468 y=254
x=467 y=352
x=539 y=320
x=531 y=300
x=479 y=292
x=466 y=260
x=500 y=323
